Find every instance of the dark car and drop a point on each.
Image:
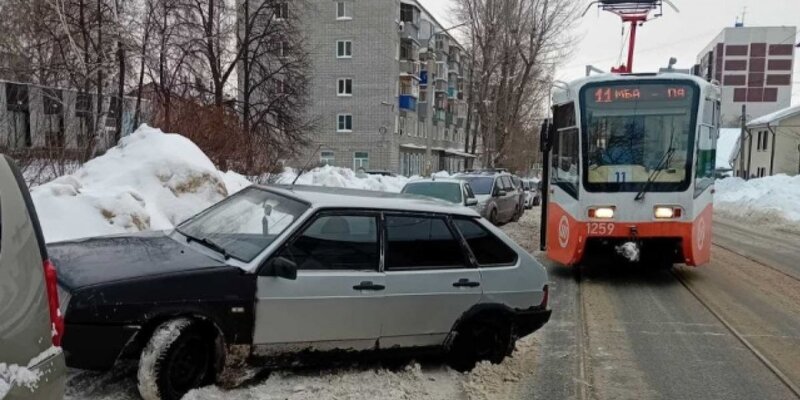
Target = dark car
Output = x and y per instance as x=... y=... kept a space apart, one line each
x=271 y=272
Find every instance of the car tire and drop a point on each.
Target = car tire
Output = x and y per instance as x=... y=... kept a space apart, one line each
x=483 y=339
x=518 y=213
x=177 y=358
x=493 y=217
x=536 y=202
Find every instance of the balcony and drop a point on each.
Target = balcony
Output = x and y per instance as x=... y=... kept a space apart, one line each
x=448 y=118
x=452 y=92
x=440 y=86
x=422 y=109
x=408 y=103
x=438 y=116
x=410 y=30
x=423 y=78
x=410 y=68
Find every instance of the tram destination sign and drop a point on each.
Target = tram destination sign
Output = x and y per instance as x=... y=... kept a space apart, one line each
x=631 y=93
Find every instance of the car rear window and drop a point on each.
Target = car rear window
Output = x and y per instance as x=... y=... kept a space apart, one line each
x=448 y=191
x=488 y=249
x=421 y=243
x=480 y=184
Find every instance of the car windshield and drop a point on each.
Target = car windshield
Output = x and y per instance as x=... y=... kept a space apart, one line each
x=449 y=191
x=244 y=224
x=633 y=130
x=480 y=184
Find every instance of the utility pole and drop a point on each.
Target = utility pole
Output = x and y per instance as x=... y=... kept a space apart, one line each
x=741 y=141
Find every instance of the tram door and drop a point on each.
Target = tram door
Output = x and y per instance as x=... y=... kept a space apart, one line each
x=561 y=235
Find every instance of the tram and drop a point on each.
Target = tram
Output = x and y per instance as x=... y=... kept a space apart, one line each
x=629 y=168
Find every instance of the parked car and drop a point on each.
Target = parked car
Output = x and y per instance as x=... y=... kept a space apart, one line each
x=498 y=199
x=271 y=272
x=517 y=181
x=30 y=325
x=532 y=194
x=455 y=191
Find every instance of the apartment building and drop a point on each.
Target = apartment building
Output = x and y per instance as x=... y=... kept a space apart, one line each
x=34 y=116
x=754 y=67
x=387 y=87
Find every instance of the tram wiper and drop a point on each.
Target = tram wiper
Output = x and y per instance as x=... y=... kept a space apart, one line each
x=663 y=163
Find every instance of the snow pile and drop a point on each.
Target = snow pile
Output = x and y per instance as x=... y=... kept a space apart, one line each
x=772 y=199
x=344 y=177
x=150 y=181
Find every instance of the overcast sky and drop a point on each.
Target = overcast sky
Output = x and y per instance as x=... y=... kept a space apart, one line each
x=681 y=35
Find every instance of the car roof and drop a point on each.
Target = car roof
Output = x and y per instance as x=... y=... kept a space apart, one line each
x=335 y=197
x=433 y=180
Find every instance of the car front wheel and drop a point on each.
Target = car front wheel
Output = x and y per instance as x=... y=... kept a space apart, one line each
x=178 y=358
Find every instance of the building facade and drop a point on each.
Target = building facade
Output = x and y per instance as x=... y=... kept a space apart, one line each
x=387 y=87
x=772 y=145
x=33 y=116
x=754 y=67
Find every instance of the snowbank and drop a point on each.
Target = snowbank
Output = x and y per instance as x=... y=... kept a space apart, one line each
x=150 y=181
x=344 y=177
x=770 y=200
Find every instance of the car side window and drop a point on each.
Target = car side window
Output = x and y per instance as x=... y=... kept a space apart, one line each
x=420 y=243
x=337 y=242
x=507 y=185
x=469 y=193
x=488 y=249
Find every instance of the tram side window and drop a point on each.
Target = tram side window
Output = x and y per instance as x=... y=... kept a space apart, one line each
x=565 y=172
x=705 y=162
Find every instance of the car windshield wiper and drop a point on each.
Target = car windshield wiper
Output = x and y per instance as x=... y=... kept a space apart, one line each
x=206 y=242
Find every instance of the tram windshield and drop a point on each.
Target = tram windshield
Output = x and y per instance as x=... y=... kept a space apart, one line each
x=638 y=132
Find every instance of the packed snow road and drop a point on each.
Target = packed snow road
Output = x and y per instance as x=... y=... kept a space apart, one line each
x=617 y=332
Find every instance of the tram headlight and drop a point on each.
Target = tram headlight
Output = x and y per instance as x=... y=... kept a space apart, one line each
x=667 y=212
x=601 y=212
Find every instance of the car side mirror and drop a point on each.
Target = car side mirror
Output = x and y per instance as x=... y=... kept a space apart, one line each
x=471 y=202
x=500 y=193
x=282 y=267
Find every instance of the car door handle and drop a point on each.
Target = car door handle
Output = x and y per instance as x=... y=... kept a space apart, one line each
x=368 y=285
x=466 y=283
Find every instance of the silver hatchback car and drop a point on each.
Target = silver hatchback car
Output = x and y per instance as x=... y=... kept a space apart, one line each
x=273 y=273
x=31 y=363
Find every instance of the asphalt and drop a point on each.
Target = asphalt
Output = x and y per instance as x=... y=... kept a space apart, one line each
x=648 y=337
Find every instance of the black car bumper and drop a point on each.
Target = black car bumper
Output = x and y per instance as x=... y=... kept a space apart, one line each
x=96 y=347
x=530 y=320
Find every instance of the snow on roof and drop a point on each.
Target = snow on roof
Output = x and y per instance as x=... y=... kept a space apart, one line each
x=727 y=142
x=777 y=116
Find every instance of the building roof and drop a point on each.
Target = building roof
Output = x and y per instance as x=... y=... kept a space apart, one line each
x=335 y=197
x=776 y=117
x=726 y=144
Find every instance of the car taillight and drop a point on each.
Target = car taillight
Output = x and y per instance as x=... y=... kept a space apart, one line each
x=51 y=284
x=545 y=297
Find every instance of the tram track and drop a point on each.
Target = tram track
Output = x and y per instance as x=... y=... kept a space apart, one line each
x=792 y=386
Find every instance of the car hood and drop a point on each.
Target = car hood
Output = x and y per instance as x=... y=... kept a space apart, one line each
x=107 y=259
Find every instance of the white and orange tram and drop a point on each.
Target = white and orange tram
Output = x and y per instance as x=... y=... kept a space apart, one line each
x=630 y=168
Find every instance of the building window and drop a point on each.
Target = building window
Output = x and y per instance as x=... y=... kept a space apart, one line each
x=19 y=115
x=281 y=10
x=53 y=117
x=343 y=11
x=344 y=123
x=344 y=87
x=360 y=160
x=327 y=158
x=344 y=48
x=283 y=49
x=280 y=86
x=83 y=111
x=765 y=141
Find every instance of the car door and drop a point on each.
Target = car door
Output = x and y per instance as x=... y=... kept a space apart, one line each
x=429 y=280
x=335 y=302
x=509 y=199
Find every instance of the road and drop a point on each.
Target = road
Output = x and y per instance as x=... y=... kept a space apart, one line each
x=623 y=332
x=728 y=330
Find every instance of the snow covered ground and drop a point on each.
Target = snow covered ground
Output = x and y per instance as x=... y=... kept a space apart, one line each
x=772 y=200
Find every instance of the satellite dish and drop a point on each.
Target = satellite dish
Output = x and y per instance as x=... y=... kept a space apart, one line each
x=382 y=130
